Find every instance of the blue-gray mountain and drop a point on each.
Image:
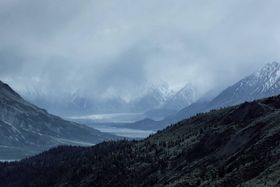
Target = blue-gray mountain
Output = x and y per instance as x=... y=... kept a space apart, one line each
x=155 y=102
x=263 y=83
x=26 y=129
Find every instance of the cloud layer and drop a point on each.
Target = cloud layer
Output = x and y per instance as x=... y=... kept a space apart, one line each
x=117 y=48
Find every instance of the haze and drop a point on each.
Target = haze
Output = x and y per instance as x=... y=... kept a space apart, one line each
x=117 y=48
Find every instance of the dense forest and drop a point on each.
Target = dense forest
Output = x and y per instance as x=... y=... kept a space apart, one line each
x=235 y=146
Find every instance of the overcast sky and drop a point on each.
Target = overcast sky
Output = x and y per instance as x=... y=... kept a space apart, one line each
x=119 y=47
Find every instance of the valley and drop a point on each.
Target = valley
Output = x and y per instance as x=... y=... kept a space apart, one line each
x=122 y=93
x=26 y=129
x=233 y=146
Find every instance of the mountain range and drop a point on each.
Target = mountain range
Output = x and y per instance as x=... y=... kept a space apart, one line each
x=263 y=83
x=26 y=129
x=155 y=102
x=234 y=146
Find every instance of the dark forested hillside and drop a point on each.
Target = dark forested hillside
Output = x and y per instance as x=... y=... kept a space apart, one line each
x=235 y=146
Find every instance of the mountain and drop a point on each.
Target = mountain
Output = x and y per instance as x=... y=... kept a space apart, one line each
x=74 y=104
x=263 y=83
x=234 y=146
x=153 y=97
x=183 y=98
x=26 y=129
x=157 y=101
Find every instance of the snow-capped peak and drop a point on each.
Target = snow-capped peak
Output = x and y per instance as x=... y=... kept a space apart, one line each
x=268 y=76
x=263 y=83
x=269 y=69
x=182 y=98
x=188 y=92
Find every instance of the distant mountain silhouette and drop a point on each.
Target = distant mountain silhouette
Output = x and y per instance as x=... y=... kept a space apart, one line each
x=154 y=101
x=26 y=129
x=263 y=83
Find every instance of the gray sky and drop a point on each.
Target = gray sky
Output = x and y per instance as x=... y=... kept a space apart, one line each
x=119 y=47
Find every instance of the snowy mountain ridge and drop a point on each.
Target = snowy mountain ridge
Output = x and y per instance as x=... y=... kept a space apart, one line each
x=260 y=84
x=269 y=75
x=74 y=102
x=263 y=83
x=264 y=79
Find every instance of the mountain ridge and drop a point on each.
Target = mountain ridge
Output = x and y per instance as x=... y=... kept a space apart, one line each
x=260 y=84
x=233 y=146
x=27 y=129
x=75 y=103
x=263 y=83
x=247 y=89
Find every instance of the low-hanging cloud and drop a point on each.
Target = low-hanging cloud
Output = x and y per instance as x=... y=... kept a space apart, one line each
x=117 y=48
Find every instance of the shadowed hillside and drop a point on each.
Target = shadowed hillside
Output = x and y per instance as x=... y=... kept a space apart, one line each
x=235 y=146
x=26 y=129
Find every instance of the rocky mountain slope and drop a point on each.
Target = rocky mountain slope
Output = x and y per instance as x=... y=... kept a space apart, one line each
x=235 y=146
x=26 y=129
x=263 y=83
x=184 y=97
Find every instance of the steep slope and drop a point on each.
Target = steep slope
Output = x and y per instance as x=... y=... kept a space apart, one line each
x=183 y=98
x=263 y=83
x=235 y=146
x=161 y=102
x=26 y=129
